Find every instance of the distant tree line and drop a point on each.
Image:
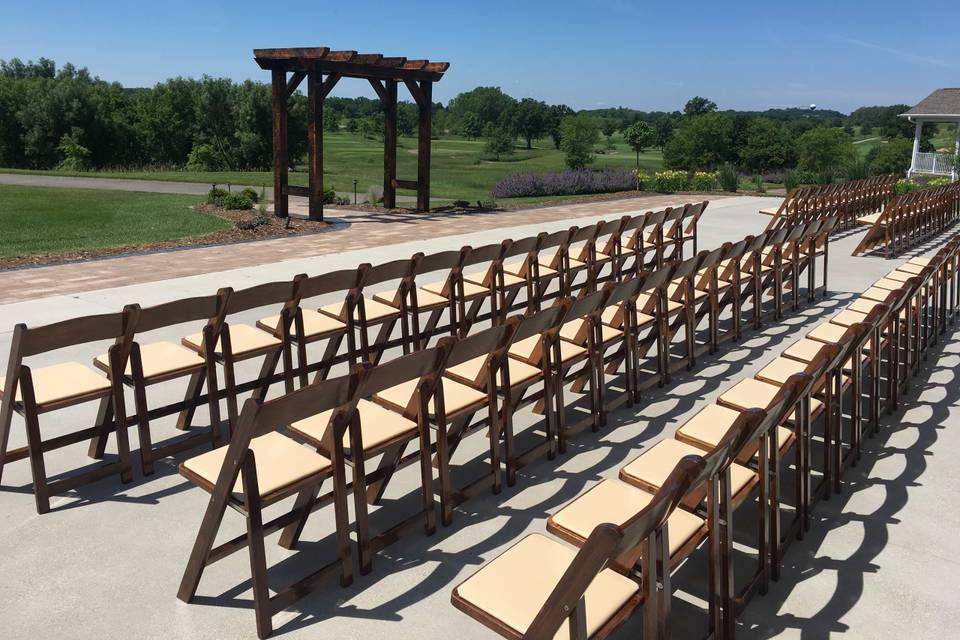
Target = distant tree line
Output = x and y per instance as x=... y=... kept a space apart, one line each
x=66 y=118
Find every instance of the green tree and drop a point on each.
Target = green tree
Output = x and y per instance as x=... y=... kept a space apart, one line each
x=489 y=105
x=471 y=126
x=893 y=156
x=530 y=120
x=75 y=155
x=609 y=128
x=556 y=115
x=578 y=135
x=824 y=150
x=499 y=141
x=639 y=136
x=766 y=146
x=663 y=130
x=698 y=105
x=701 y=142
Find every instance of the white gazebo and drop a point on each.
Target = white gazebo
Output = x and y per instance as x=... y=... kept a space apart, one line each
x=943 y=105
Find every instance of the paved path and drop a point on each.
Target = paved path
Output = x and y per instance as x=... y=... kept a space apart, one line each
x=148 y=186
x=364 y=229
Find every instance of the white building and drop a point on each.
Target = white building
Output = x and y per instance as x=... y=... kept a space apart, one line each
x=943 y=105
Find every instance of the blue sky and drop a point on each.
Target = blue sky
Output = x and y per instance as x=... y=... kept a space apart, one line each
x=587 y=54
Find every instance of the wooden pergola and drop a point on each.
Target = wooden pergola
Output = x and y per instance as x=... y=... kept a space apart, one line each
x=322 y=69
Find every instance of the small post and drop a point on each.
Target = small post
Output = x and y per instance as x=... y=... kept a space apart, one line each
x=354 y=191
x=280 y=162
x=423 y=146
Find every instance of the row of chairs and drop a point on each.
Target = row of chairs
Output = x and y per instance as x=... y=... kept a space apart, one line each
x=629 y=535
x=431 y=295
x=434 y=397
x=847 y=200
x=910 y=219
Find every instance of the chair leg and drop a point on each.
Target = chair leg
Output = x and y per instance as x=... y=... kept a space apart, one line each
x=98 y=444
x=290 y=536
x=194 y=389
x=258 y=558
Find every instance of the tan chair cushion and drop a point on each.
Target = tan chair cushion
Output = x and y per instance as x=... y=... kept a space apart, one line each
x=473 y=372
x=159 y=359
x=674 y=290
x=803 y=349
x=480 y=277
x=750 y=393
x=528 y=350
x=876 y=294
x=869 y=219
x=654 y=466
x=315 y=324
x=457 y=397
x=922 y=262
x=616 y=502
x=912 y=269
x=281 y=463
x=780 y=369
x=519 y=269
x=552 y=262
x=243 y=339
x=898 y=276
x=576 y=332
x=378 y=426
x=646 y=302
x=862 y=305
x=425 y=299
x=613 y=316
x=705 y=430
x=513 y=586
x=888 y=284
x=770 y=211
x=374 y=310
x=63 y=383
x=848 y=318
x=470 y=289
x=827 y=332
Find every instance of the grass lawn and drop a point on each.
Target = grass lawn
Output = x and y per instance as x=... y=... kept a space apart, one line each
x=42 y=220
x=457 y=169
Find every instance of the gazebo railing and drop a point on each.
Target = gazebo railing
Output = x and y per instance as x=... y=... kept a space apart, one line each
x=940 y=164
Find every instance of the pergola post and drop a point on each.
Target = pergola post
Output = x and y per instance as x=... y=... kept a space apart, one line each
x=390 y=145
x=281 y=163
x=424 y=136
x=315 y=142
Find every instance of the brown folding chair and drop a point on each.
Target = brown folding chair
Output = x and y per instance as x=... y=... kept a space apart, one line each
x=261 y=467
x=539 y=585
x=31 y=392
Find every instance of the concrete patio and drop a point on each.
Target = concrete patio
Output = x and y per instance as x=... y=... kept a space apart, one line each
x=107 y=561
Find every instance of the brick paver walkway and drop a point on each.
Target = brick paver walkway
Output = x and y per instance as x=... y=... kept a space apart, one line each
x=365 y=230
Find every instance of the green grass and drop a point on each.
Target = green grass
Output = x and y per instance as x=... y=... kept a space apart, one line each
x=457 y=169
x=46 y=220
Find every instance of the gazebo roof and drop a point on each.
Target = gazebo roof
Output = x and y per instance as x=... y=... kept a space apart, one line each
x=349 y=64
x=940 y=103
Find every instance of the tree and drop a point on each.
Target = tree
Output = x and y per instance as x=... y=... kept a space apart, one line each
x=701 y=142
x=556 y=115
x=824 y=150
x=698 y=105
x=663 y=130
x=75 y=155
x=408 y=116
x=471 y=126
x=766 y=146
x=609 y=128
x=499 y=141
x=639 y=136
x=578 y=135
x=530 y=120
x=893 y=156
x=489 y=105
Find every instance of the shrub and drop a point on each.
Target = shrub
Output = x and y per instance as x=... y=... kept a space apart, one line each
x=329 y=195
x=644 y=180
x=892 y=156
x=216 y=196
x=202 y=157
x=237 y=201
x=906 y=186
x=342 y=200
x=563 y=183
x=704 y=181
x=252 y=223
x=858 y=169
x=823 y=149
x=728 y=177
x=252 y=194
x=670 y=181
x=790 y=180
x=939 y=182
x=578 y=135
x=758 y=183
x=374 y=194
x=76 y=157
x=461 y=204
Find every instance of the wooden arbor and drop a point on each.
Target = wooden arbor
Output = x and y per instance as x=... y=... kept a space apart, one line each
x=322 y=69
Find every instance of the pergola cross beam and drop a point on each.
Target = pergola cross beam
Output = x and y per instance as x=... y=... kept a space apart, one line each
x=323 y=68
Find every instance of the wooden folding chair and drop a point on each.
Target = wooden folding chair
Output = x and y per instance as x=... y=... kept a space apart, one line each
x=540 y=588
x=380 y=431
x=485 y=280
x=238 y=341
x=261 y=467
x=31 y=392
x=691 y=219
x=160 y=361
x=366 y=312
x=312 y=325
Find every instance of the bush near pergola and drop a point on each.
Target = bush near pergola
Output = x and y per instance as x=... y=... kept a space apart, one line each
x=891 y=157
